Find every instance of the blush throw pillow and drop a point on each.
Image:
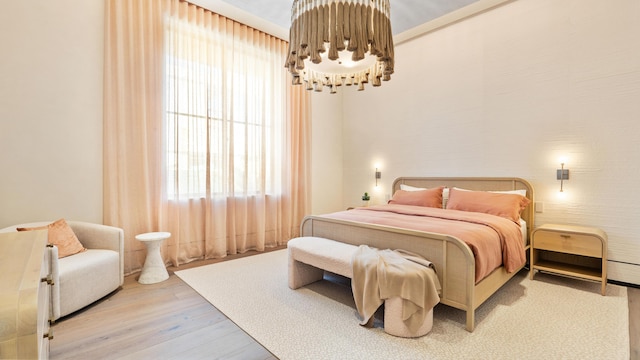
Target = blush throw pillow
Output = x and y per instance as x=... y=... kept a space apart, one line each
x=427 y=197
x=508 y=206
x=445 y=192
x=62 y=236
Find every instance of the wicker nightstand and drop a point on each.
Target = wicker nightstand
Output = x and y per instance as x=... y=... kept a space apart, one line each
x=576 y=251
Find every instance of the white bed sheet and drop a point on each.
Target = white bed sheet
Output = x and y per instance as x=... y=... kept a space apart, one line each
x=523 y=228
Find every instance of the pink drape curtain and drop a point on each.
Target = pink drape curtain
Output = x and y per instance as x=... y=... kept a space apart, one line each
x=204 y=136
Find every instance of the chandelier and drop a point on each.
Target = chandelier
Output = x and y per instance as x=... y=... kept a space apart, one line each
x=340 y=42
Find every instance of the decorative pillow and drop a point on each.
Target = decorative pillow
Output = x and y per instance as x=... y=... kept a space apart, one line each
x=445 y=192
x=427 y=197
x=508 y=206
x=62 y=236
x=522 y=192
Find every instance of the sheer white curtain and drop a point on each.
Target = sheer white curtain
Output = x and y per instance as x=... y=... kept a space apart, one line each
x=207 y=122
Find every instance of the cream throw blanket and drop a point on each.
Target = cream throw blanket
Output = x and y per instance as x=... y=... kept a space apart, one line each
x=383 y=274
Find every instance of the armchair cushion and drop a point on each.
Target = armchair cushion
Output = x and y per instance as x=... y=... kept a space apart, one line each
x=83 y=279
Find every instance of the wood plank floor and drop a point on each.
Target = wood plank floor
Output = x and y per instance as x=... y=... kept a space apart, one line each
x=169 y=320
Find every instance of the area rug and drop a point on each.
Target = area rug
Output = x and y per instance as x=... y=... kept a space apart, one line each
x=549 y=317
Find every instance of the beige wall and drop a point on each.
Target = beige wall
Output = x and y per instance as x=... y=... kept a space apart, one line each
x=51 y=110
x=507 y=93
x=326 y=153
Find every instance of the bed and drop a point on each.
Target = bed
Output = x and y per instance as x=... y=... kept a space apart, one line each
x=453 y=258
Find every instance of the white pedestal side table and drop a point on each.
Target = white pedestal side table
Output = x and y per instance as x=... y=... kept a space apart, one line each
x=153 y=270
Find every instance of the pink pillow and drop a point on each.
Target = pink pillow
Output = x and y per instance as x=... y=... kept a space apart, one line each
x=62 y=236
x=508 y=206
x=428 y=197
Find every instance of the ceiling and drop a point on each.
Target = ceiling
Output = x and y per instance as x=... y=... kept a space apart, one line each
x=274 y=16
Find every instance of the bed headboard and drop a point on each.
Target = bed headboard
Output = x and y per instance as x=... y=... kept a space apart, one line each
x=480 y=184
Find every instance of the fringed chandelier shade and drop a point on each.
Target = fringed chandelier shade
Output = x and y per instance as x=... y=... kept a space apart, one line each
x=340 y=42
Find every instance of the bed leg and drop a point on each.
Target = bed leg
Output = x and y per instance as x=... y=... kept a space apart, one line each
x=470 y=320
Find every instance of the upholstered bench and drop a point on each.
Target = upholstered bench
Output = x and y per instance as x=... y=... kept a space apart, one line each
x=310 y=256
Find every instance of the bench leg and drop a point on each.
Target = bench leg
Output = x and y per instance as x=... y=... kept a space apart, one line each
x=301 y=274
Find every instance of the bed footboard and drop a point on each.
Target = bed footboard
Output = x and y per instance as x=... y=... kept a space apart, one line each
x=452 y=258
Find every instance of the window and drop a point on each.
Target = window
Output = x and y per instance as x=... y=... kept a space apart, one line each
x=224 y=113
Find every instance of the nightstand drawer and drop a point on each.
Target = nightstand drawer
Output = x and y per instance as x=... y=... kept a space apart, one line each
x=571 y=243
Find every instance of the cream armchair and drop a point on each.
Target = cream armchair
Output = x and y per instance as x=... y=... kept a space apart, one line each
x=83 y=278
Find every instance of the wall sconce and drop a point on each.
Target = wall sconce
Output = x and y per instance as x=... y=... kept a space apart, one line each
x=378 y=176
x=562 y=174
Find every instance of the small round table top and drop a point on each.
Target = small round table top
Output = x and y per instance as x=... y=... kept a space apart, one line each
x=152 y=236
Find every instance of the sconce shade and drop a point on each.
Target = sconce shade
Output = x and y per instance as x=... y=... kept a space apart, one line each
x=340 y=42
x=562 y=174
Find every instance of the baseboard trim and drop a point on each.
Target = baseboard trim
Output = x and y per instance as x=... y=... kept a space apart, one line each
x=626 y=273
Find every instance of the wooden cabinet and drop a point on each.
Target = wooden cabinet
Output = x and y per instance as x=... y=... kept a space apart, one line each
x=576 y=251
x=24 y=295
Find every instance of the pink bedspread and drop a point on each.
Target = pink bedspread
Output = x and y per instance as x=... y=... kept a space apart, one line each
x=494 y=240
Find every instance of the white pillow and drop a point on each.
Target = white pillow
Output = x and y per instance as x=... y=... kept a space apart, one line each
x=522 y=192
x=411 y=188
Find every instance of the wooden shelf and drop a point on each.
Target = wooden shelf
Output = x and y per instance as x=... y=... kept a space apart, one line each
x=569 y=270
